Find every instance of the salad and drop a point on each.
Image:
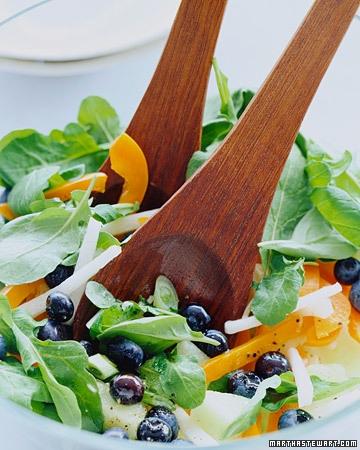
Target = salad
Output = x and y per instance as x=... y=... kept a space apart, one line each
x=151 y=368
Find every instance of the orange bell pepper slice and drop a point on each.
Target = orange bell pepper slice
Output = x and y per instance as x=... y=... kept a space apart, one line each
x=18 y=294
x=342 y=309
x=128 y=161
x=270 y=338
x=63 y=191
x=6 y=212
x=354 y=324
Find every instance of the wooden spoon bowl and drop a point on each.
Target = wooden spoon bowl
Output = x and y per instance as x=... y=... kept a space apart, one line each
x=204 y=239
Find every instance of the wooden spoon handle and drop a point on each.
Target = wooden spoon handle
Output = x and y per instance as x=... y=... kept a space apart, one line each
x=167 y=123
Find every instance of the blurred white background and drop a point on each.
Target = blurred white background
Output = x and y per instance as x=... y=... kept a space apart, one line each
x=120 y=57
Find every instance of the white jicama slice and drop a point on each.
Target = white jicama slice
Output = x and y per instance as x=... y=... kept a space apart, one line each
x=192 y=431
x=128 y=223
x=86 y=254
x=305 y=389
x=315 y=304
x=36 y=306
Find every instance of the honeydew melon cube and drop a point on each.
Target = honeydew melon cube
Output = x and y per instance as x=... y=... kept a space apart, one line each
x=115 y=414
x=188 y=348
x=218 y=412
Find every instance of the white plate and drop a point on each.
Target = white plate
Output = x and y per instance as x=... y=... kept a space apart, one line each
x=73 y=30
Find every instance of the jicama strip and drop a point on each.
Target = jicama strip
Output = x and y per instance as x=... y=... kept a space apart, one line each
x=128 y=223
x=192 y=431
x=36 y=306
x=86 y=254
x=313 y=304
x=305 y=389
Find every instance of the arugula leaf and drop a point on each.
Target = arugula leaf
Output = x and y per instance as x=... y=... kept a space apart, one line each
x=63 y=369
x=155 y=334
x=341 y=210
x=99 y=119
x=29 y=189
x=289 y=205
x=105 y=213
x=286 y=393
x=220 y=115
x=176 y=377
x=32 y=246
x=165 y=295
x=315 y=238
x=13 y=376
x=277 y=294
x=99 y=295
x=112 y=315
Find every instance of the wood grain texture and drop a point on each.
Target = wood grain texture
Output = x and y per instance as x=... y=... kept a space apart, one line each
x=205 y=238
x=167 y=123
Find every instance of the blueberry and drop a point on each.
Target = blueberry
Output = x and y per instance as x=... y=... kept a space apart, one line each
x=354 y=295
x=244 y=382
x=196 y=316
x=271 y=363
x=3 y=348
x=347 y=271
x=88 y=346
x=126 y=354
x=293 y=417
x=167 y=416
x=214 y=350
x=55 y=331
x=127 y=389
x=116 y=432
x=58 y=275
x=153 y=429
x=4 y=193
x=59 y=306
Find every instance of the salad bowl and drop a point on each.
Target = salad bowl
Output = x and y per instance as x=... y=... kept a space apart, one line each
x=23 y=429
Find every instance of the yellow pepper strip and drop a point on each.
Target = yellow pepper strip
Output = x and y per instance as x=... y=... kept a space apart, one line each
x=20 y=293
x=354 y=324
x=340 y=316
x=6 y=212
x=271 y=338
x=128 y=161
x=63 y=191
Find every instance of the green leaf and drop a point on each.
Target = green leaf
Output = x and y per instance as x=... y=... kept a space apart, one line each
x=277 y=295
x=286 y=393
x=32 y=246
x=289 y=205
x=99 y=119
x=19 y=387
x=105 y=213
x=29 y=189
x=63 y=369
x=339 y=209
x=99 y=295
x=155 y=334
x=165 y=296
x=113 y=315
x=313 y=238
x=177 y=378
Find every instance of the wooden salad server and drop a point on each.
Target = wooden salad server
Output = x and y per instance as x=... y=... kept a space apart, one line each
x=204 y=239
x=167 y=124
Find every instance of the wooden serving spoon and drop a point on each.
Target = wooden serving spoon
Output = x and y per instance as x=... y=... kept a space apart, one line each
x=204 y=239
x=167 y=123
